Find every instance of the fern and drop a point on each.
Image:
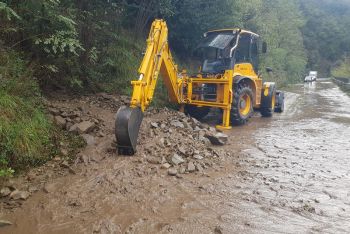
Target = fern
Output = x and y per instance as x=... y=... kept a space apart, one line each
x=60 y=42
x=9 y=13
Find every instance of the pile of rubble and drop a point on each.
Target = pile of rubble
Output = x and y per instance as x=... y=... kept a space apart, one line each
x=179 y=143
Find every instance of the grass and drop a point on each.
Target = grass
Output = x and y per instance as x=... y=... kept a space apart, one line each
x=27 y=137
x=24 y=132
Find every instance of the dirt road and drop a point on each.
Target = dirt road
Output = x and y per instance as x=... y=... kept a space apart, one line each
x=288 y=174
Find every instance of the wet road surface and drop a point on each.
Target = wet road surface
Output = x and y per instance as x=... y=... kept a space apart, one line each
x=288 y=174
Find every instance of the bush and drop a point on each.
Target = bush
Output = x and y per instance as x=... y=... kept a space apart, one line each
x=343 y=69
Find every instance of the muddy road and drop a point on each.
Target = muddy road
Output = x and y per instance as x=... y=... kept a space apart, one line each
x=288 y=174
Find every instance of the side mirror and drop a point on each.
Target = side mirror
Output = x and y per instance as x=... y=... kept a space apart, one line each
x=269 y=69
x=264 y=47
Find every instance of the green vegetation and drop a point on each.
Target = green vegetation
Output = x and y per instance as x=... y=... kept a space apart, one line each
x=326 y=33
x=93 y=45
x=342 y=70
x=24 y=128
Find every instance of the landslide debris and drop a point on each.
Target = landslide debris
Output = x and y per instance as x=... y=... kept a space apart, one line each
x=179 y=143
x=169 y=141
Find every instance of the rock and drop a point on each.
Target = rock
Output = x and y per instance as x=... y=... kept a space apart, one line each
x=68 y=125
x=218 y=230
x=64 y=152
x=77 y=120
x=31 y=176
x=154 y=125
x=54 y=111
x=154 y=160
x=199 y=167
x=217 y=139
x=198 y=157
x=72 y=171
x=191 y=167
x=74 y=114
x=84 y=159
x=106 y=96
x=11 y=185
x=177 y=124
x=32 y=189
x=172 y=172
x=177 y=159
x=61 y=122
x=89 y=140
x=166 y=166
x=211 y=129
x=182 y=150
x=64 y=114
x=4 y=192
x=73 y=128
x=16 y=195
x=65 y=164
x=57 y=159
x=101 y=134
x=4 y=223
x=205 y=141
x=182 y=170
x=83 y=127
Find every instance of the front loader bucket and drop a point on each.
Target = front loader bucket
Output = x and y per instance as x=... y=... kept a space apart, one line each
x=127 y=126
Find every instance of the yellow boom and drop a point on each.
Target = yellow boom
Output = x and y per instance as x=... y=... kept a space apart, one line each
x=157 y=59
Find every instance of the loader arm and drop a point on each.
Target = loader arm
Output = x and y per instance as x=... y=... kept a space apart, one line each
x=157 y=60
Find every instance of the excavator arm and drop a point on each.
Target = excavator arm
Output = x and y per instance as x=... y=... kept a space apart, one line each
x=157 y=60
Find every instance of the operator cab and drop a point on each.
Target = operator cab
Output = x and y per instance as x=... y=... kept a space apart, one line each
x=221 y=50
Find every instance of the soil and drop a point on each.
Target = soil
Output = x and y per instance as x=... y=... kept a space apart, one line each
x=285 y=174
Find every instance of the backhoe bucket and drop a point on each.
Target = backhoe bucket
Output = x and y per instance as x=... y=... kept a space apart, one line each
x=127 y=126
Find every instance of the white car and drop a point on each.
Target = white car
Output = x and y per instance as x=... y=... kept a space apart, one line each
x=310 y=79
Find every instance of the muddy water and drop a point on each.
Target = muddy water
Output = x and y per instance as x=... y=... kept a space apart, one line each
x=301 y=160
x=288 y=174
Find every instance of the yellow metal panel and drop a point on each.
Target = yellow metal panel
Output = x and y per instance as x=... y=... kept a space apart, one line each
x=246 y=70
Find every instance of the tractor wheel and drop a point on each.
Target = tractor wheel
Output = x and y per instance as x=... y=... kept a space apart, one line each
x=279 y=108
x=197 y=112
x=242 y=106
x=268 y=103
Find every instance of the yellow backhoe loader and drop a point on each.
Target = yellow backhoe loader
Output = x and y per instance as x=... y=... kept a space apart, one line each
x=228 y=80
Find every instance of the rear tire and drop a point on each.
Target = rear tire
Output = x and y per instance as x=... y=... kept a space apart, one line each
x=268 y=102
x=279 y=102
x=197 y=112
x=242 y=106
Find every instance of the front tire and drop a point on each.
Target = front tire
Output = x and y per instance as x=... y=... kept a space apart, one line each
x=242 y=106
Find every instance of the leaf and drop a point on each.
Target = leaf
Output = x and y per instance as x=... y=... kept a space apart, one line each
x=8 y=12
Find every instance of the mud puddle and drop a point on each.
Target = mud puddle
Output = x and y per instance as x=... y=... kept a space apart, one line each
x=288 y=174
